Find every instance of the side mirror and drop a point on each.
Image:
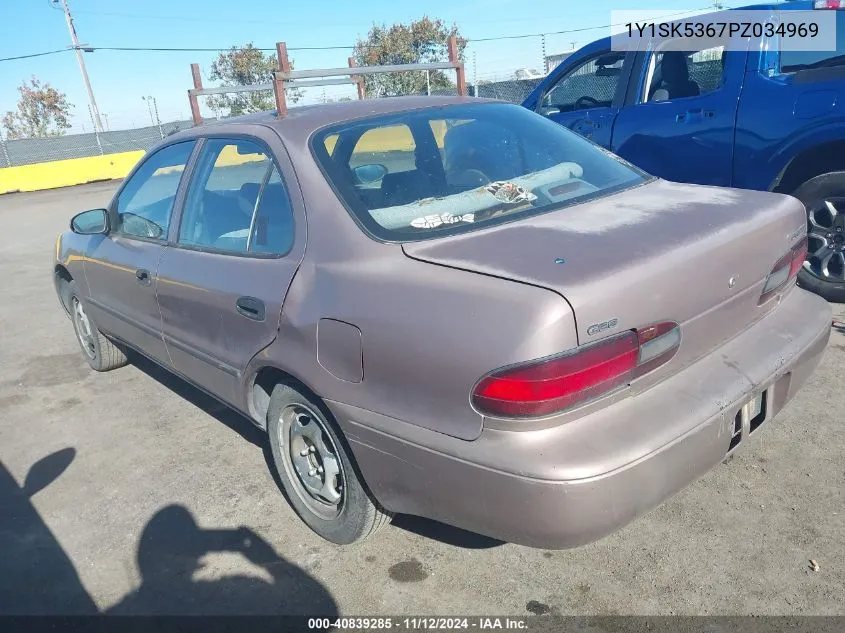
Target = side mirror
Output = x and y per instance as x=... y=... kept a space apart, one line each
x=93 y=222
x=367 y=174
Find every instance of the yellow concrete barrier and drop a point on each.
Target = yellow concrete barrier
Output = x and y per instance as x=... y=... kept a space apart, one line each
x=66 y=173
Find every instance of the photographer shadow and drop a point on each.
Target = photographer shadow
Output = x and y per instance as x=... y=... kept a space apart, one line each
x=170 y=555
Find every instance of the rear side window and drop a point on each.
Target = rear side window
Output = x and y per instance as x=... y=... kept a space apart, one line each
x=796 y=61
x=237 y=201
x=145 y=203
x=470 y=165
x=675 y=74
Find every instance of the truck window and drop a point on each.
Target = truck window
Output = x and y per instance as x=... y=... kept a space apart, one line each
x=589 y=85
x=796 y=61
x=679 y=74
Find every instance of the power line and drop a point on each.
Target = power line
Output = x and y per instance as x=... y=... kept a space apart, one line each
x=60 y=50
x=145 y=49
x=330 y=48
x=586 y=28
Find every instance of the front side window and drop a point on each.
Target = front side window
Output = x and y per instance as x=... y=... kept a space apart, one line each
x=472 y=164
x=236 y=201
x=590 y=85
x=674 y=74
x=145 y=203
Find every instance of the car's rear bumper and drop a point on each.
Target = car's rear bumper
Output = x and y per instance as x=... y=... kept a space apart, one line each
x=553 y=487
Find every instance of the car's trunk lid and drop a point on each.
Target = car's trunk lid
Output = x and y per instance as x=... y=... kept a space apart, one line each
x=659 y=252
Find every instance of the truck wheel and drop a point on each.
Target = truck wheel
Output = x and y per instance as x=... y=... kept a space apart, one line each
x=824 y=271
x=316 y=470
x=100 y=352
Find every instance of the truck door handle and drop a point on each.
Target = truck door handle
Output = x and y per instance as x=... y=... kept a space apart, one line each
x=143 y=276
x=694 y=116
x=584 y=127
x=251 y=308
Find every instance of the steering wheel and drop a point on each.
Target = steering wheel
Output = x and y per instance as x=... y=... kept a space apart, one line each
x=585 y=100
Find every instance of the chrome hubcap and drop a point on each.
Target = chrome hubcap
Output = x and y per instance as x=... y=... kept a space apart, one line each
x=84 y=331
x=313 y=460
x=826 y=239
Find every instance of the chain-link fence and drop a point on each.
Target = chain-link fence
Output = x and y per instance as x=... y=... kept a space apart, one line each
x=39 y=150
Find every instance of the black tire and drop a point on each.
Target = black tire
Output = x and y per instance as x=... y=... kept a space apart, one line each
x=812 y=194
x=101 y=353
x=357 y=515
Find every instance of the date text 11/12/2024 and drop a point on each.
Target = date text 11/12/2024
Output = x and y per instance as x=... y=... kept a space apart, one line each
x=417 y=623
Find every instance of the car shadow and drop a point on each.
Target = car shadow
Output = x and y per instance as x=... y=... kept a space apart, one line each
x=426 y=528
x=39 y=578
x=456 y=537
x=213 y=407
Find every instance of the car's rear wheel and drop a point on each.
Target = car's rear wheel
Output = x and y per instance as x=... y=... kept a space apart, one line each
x=316 y=470
x=101 y=353
x=824 y=270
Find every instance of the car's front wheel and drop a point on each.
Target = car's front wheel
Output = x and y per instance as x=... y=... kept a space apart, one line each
x=824 y=270
x=316 y=469
x=101 y=353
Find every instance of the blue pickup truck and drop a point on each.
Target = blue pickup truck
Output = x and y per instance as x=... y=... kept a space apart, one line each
x=760 y=118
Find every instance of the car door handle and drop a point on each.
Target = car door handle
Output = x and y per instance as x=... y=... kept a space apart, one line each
x=694 y=116
x=143 y=276
x=251 y=308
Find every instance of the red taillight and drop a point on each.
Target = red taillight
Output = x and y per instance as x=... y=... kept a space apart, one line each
x=785 y=270
x=554 y=384
x=799 y=256
x=827 y=4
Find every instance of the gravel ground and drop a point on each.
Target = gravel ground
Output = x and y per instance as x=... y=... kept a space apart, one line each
x=163 y=487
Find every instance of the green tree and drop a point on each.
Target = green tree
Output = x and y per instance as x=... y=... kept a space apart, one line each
x=244 y=66
x=422 y=41
x=42 y=111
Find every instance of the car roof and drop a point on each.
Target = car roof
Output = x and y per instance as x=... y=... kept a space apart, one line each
x=306 y=119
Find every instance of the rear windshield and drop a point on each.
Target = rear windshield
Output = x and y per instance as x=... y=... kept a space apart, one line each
x=435 y=171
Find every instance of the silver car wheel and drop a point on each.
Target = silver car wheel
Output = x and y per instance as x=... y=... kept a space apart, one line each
x=826 y=240
x=311 y=460
x=84 y=330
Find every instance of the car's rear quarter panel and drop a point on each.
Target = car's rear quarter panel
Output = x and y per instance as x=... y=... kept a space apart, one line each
x=427 y=333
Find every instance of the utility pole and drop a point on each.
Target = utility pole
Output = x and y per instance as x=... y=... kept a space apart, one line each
x=95 y=113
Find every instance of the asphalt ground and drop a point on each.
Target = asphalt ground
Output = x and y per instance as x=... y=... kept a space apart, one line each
x=132 y=492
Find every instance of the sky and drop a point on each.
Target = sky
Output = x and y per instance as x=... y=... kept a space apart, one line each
x=120 y=79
